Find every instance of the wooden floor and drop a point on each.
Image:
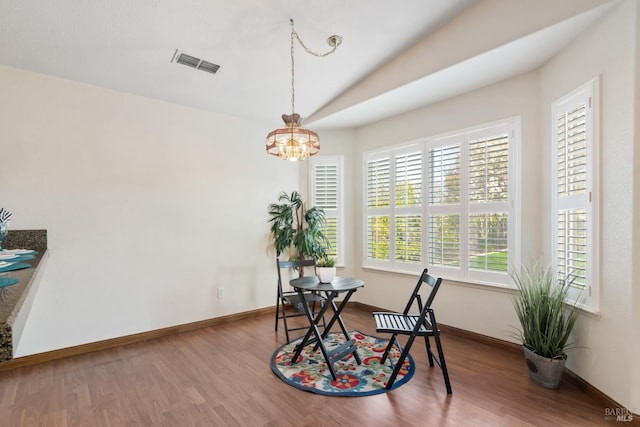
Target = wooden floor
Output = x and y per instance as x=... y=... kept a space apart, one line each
x=220 y=376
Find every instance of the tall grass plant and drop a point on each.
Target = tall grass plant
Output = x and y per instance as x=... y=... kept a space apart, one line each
x=545 y=316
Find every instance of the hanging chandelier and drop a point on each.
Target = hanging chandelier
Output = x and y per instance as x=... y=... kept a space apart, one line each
x=293 y=141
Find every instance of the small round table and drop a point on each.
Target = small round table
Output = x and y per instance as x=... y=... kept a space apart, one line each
x=331 y=290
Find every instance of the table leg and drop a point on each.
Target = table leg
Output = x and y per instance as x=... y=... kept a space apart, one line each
x=336 y=316
x=313 y=329
x=307 y=339
x=344 y=328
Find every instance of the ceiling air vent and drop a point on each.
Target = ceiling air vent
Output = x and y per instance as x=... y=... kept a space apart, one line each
x=193 y=62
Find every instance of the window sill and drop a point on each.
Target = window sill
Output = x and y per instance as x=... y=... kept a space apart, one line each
x=471 y=284
x=386 y=270
x=589 y=311
x=487 y=286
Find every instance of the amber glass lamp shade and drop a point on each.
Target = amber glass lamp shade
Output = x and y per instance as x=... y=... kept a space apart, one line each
x=293 y=142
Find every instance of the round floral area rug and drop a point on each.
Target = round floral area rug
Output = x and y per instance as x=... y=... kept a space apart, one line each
x=311 y=372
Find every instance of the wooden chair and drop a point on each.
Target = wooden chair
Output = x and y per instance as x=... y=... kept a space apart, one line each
x=292 y=299
x=422 y=324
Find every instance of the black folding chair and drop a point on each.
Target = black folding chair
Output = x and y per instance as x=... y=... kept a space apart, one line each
x=291 y=299
x=422 y=324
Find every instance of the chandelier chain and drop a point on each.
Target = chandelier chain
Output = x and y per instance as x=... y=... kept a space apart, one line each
x=333 y=41
x=293 y=90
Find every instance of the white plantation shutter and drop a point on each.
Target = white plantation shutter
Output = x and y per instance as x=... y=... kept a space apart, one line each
x=394 y=205
x=471 y=229
x=326 y=194
x=409 y=238
x=488 y=169
x=408 y=207
x=573 y=187
x=488 y=234
x=444 y=206
x=378 y=184
x=378 y=201
x=444 y=175
x=326 y=186
x=571 y=192
x=444 y=240
x=378 y=237
x=488 y=189
x=447 y=204
x=409 y=179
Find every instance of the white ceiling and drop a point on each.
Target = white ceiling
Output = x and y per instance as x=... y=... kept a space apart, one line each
x=507 y=60
x=127 y=45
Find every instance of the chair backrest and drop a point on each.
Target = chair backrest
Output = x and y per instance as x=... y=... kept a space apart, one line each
x=434 y=285
x=292 y=264
x=296 y=263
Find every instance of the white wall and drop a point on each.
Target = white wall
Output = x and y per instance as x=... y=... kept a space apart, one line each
x=608 y=49
x=149 y=208
x=470 y=307
x=635 y=309
x=340 y=142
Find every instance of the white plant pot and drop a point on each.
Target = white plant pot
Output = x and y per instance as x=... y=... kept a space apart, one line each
x=326 y=274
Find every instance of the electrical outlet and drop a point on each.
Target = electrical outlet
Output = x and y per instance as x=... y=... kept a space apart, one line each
x=220 y=293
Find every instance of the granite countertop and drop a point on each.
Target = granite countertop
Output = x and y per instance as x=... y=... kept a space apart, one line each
x=15 y=300
x=10 y=296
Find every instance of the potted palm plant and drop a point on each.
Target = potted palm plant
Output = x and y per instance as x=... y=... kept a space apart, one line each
x=546 y=320
x=293 y=226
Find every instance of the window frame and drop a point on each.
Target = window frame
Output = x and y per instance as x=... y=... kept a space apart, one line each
x=513 y=203
x=463 y=138
x=392 y=211
x=338 y=213
x=586 y=94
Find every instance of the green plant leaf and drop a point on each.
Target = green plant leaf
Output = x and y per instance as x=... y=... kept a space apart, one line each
x=293 y=225
x=545 y=317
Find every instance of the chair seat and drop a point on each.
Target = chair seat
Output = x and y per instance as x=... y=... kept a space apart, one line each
x=294 y=299
x=309 y=296
x=398 y=323
x=291 y=299
x=413 y=325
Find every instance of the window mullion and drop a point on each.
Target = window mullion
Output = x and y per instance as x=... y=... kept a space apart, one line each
x=424 y=205
x=464 y=207
x=392 y=210
x=566 y=150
